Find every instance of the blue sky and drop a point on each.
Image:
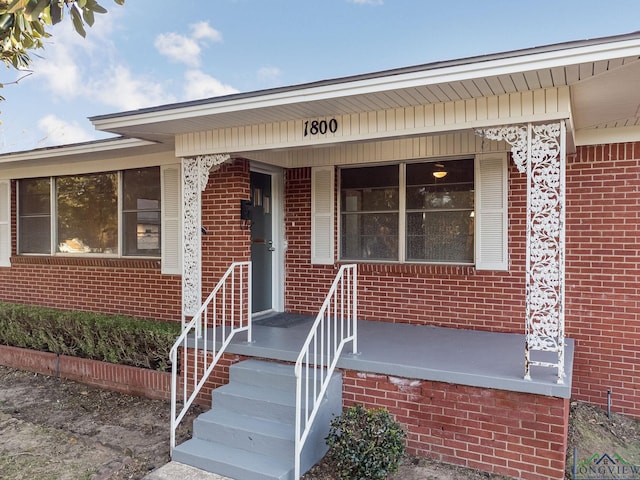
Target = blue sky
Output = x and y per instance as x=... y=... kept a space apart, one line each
x=151 y=53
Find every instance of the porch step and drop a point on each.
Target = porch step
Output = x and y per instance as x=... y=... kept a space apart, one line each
x=249 y=432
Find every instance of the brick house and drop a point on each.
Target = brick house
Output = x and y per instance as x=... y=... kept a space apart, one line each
x=489 y=203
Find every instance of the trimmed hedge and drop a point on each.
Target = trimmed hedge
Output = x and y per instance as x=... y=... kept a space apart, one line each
x=109 y=338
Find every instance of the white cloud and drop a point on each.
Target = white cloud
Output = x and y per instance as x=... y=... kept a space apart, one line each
x=187 y=49
x=57 y=65
x=200 y=85
x=120 y=88
x=269 y=74
x=368 y=2
x=178 y=48
x=57 y=132
x=204 y=31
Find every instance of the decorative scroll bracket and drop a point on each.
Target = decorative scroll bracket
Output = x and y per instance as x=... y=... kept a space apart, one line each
x=540 y=152
x=195 y=175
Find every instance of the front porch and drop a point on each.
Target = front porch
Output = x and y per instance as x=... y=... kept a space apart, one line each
x=461 y=394
x=422 y=352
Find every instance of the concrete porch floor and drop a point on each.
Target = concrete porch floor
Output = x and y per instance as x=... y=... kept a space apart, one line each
x=464 y=357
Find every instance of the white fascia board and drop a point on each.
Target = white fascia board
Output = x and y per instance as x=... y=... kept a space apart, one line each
x=50 y=153
x=601 y=136
x=429 y=76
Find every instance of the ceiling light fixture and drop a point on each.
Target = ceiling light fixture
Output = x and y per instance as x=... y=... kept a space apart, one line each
x=440 y=172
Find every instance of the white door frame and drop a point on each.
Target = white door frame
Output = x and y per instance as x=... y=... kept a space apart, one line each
x=278 y=231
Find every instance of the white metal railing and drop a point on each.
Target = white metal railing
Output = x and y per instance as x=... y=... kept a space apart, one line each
x=335 y=325
x=225 y=312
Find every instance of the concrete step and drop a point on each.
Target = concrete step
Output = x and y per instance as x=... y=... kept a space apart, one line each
x=274 y=439
x=232 y=462
x=273 y=375
x=249 y=433
x=265 y=403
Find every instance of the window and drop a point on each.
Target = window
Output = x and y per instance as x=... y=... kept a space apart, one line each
x=87 y=214
x=141 y=211
x=34 y=219
x=414 y=212
x=90 y=214
x=370 y=206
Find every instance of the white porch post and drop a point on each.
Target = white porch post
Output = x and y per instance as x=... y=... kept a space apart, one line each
x=540 y=152
x=195 y=175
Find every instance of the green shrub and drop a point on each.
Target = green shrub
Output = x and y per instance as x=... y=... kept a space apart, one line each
x=365 y=444
x=109 y=338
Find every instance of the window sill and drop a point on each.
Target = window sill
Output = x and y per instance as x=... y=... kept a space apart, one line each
x=420 y=268
x=142 y=263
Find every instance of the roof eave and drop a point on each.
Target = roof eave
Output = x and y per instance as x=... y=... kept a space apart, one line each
x=440 y=72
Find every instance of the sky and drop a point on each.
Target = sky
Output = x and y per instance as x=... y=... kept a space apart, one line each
x=156 y=52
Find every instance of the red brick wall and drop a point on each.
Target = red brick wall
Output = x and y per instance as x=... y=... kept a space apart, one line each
x=128 y=286
x=449 y=296
x=226 y=241
x=603 y=273
x=516 y=434
x=131 y=287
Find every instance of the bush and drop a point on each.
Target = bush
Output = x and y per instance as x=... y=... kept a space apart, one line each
x=365 y=444
x=109 y=338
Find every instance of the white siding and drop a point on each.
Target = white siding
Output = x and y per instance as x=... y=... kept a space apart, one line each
x=435 y=146
x=5 y=223
x=378 y=125
x=322 y=214
x=491 y=212
x=171 y=180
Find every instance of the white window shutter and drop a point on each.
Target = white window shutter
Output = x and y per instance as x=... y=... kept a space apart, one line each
x=171 y=180
x=322 y=212
x=5 y=223
x=492 y=251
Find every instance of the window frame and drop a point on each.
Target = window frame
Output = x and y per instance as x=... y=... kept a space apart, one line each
x=402 y=212
x=53 y=224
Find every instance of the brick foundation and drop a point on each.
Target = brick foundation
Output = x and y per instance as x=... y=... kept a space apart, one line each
x=508 y=433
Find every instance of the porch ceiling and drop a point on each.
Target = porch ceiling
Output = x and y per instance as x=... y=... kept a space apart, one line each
x=602 y=76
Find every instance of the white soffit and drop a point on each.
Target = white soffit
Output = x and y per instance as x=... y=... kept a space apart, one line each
x=609 y=100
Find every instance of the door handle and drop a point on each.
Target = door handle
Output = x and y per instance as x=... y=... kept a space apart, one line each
x=271 y=248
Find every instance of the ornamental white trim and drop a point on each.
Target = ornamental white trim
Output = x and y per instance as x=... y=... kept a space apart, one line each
x=539 y=151
x=195 y=175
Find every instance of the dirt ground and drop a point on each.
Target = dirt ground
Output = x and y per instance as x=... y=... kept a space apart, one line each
x=52 y=429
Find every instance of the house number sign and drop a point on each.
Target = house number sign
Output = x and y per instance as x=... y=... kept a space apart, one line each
x=322 y=127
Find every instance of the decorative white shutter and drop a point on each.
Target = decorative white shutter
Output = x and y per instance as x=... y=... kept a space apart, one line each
x=492 y=251
x=322 y=211
x=171 y=181
x=5 y=223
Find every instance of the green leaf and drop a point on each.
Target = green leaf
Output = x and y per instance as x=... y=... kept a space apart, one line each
x=35 y=9
x=37 y=26
x=6 y=21
x=96 y=7
x=119 y=2
x=57 y=12
x=88 y=17
x=17 y=5
x=77 y=21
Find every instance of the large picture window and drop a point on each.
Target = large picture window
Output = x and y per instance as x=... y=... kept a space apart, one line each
x=413 y=212
x=113 y=213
